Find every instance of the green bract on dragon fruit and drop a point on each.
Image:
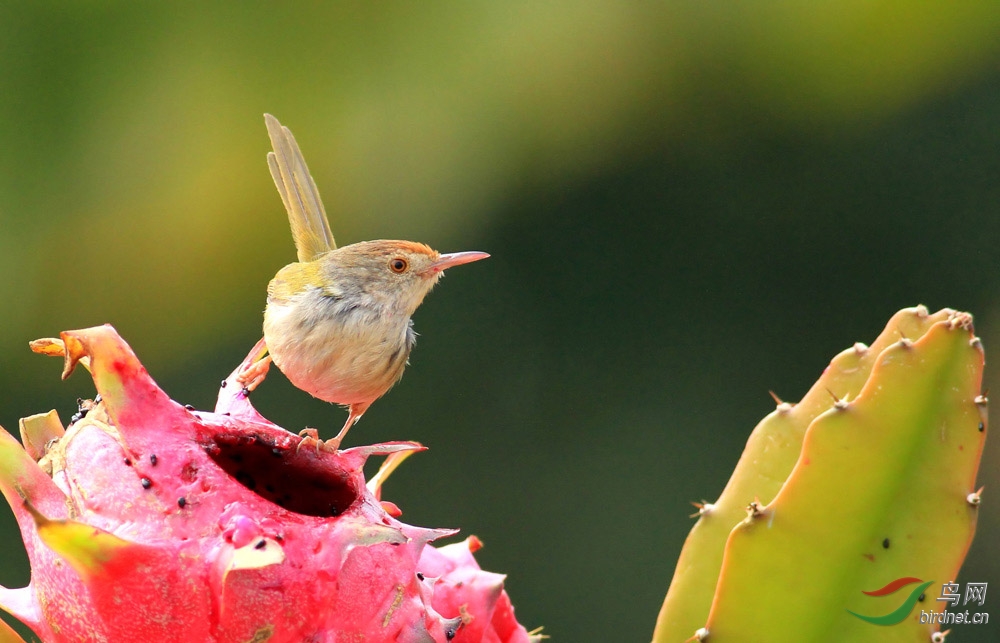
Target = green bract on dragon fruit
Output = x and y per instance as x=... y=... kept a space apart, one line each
x=150 y=521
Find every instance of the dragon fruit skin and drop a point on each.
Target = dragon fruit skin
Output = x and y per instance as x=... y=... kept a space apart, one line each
x=149 y=521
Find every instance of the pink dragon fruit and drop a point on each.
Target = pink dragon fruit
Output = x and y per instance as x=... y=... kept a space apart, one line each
x=149 y=521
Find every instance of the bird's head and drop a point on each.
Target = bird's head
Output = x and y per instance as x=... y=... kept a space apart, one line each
x=398 y=274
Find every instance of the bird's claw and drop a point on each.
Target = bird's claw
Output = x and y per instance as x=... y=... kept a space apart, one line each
x=251 y=376
x=310 y=437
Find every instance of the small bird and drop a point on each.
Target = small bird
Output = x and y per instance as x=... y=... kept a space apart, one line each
x=337 y=322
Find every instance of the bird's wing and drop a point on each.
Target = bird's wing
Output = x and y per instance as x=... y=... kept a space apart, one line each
x=310 y=228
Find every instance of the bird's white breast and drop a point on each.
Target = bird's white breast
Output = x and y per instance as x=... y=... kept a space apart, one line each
x=339 y=351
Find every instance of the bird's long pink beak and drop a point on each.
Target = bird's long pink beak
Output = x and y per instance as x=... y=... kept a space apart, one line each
x=456 y=259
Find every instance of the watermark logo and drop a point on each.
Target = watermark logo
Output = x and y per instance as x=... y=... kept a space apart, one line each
x=899 y=614
x=975 y=594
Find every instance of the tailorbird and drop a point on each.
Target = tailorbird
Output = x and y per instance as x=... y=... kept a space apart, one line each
x=337 y=322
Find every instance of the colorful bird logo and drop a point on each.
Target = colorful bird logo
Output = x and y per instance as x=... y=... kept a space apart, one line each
x=900 y=613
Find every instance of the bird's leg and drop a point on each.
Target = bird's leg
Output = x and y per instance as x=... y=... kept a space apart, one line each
x=356 y=411
x=309 y=436
x=253 y=370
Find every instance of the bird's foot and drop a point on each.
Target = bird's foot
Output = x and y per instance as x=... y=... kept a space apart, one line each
x=251 y=376
x=310 y=437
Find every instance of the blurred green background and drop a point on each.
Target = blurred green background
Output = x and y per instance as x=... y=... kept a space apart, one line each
x=687 y=204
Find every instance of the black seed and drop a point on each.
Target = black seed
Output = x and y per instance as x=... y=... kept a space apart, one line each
x=128 y=463
x=189 y=407
x=276 y=452
x=152 y=459
x=334 y=511
x=922 y=597
x=450 y=633
x=261 y=544
x=226 y=413
x=420 y=576
x=982 y=427
x=223 y=385
x=97 y=399
x=245 y=391
x=146 y=483
x=76 y=418
x=885 y=544
x=181 y=502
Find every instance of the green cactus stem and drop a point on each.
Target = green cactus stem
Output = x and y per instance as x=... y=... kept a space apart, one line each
x=882 y=494
x=771 y=452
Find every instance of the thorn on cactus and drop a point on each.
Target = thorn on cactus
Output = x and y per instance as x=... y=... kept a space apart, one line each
x=756 y=509
x=782 y=407
x=939 y=637
x=700 y=636
x=838 y=403
x=704 y=507
x=961 y=321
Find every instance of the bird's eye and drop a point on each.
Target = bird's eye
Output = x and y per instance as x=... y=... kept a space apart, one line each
x=398 y=265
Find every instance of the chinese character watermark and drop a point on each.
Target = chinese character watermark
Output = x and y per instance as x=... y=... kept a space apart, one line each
x=975 y=594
